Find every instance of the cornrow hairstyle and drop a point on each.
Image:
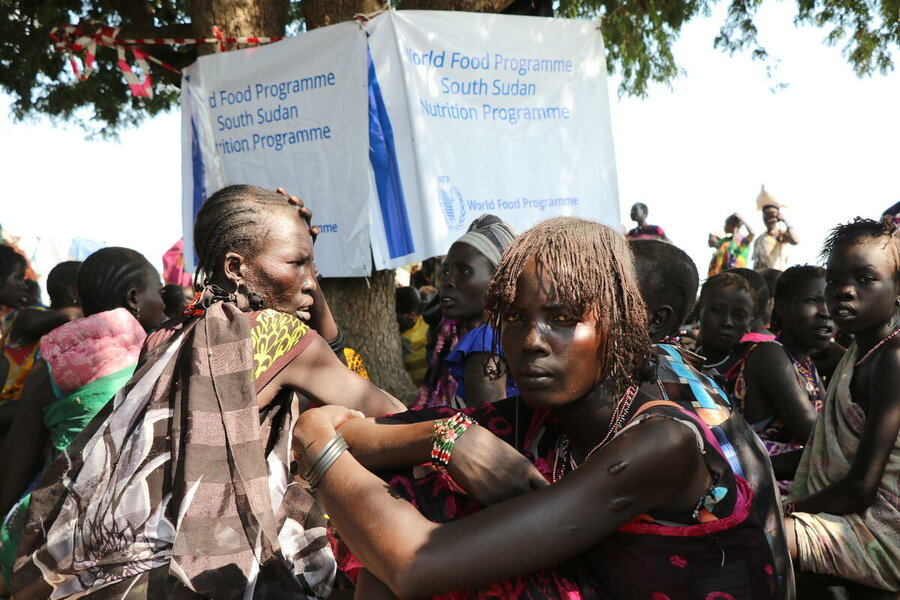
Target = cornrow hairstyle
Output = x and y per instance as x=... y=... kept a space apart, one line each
x=760 y=288
x=666 y=275
x=10 y=260
x=233 y=220
x=724 y=280
x=105 y=277
x=58 y=281
x=847 y=234
x=788 y=285
x=592 y=273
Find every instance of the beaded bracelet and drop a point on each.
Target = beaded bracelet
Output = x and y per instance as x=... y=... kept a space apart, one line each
x=446 y=432
x=329 y=453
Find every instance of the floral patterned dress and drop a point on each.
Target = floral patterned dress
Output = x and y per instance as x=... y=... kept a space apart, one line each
x=716 y=552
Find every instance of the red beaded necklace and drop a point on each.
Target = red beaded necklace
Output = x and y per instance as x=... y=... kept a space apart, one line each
x=616 y=422
x=876 y=347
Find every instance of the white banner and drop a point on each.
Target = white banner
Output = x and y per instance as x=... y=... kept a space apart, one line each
x=398 y=146
x=488 y=114
x=289 y=114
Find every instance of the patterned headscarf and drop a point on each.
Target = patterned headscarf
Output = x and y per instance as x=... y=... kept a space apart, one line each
x=490 y=235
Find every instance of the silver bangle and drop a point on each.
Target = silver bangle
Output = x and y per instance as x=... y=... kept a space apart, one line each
x=324 y=459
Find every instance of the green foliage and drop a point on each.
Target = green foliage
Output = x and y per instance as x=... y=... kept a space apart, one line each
x=639 y=35
x=871 y=29
x=40 y=80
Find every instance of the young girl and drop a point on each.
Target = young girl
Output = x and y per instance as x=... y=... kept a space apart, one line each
x=464 y=351
x=642 y=501
x=845 y=509
x=776 y=384
x=727 y=305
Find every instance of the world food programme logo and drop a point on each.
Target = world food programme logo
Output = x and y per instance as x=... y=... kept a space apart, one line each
x=452 y=204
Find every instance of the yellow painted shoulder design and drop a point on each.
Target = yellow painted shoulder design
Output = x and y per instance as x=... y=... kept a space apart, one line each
x=273 y=335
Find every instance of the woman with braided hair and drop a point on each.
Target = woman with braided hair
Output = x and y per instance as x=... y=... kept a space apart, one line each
x=642 y=502
x=181 y=486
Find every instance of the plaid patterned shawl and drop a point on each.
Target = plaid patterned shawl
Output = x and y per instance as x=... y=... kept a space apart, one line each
x=180 y=487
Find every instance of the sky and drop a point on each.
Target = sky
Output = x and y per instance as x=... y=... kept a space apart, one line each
x=826 y=146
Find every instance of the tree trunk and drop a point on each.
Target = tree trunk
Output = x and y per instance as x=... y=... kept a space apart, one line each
x=467 y=5
x=364 y=308
x=237 y=18
x=318 y=13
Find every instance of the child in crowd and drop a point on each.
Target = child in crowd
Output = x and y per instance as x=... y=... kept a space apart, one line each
x=732 y=250
x=727 y=307
x=762 y=310
x=776 y=385
x=639 y=214
x=845 y=510
x=669 y=280
x=413 y=330
x=465 y=351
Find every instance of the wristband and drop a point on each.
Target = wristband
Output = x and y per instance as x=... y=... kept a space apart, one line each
x=337 y=344
x=446 y=432
x=324 y=459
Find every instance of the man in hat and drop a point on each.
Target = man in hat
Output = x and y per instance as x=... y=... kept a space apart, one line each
x=768 y=250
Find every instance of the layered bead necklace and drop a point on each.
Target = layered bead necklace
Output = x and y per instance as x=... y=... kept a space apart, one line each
x=616 y=422
x=807 y=371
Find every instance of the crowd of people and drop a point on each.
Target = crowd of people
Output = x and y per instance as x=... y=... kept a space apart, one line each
x=591 y=421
